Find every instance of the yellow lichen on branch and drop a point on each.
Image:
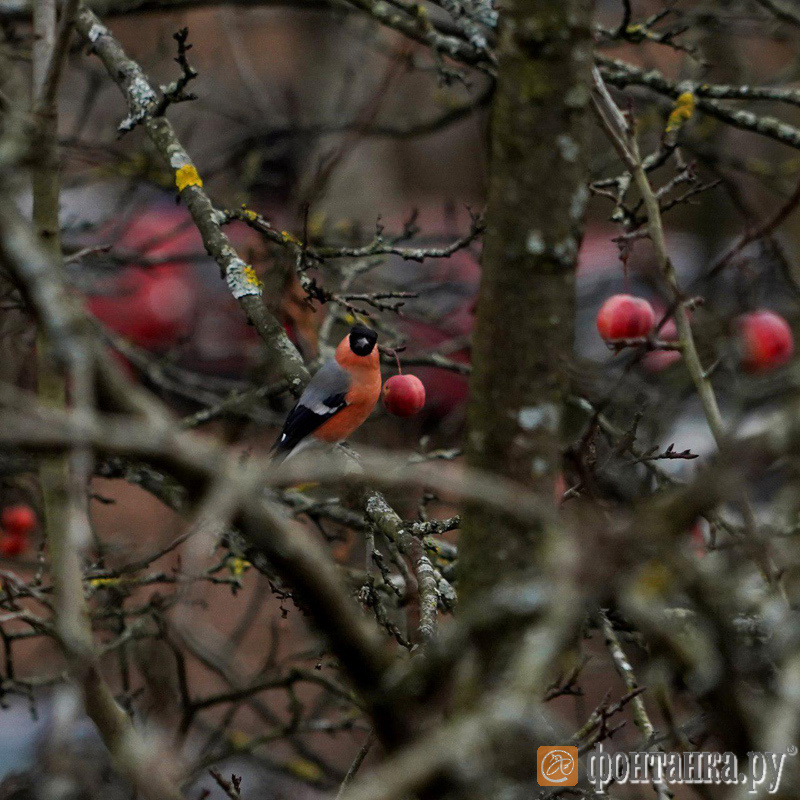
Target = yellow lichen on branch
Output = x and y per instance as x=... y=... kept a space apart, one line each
x=290 y=237
x=681 y=112
x=100 y=583
x=238 y=566
x=251 y=276
x=187 y=175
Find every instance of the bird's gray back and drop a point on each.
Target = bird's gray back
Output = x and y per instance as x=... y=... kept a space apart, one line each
x=328 y=381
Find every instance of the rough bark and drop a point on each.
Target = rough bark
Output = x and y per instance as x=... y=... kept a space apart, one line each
x=524 y=333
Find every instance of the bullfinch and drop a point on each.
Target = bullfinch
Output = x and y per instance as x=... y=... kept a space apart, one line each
x=339 y=397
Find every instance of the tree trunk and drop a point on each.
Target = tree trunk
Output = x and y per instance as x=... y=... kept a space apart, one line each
x=526 y=309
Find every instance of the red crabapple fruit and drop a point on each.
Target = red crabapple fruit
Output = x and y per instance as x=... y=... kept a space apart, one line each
x=403 y=395
x=18 y=520
x=765 y=341
x=624 y=316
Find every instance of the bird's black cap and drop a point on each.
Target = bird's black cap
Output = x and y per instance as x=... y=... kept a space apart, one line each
x=362 y=340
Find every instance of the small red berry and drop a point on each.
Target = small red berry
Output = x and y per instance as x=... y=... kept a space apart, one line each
x=12 y=545
x=765 y=341
x=403 y=395
x=623 y=316
x=18 y=520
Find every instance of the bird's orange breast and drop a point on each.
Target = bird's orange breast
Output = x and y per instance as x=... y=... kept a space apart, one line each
x=361 y=398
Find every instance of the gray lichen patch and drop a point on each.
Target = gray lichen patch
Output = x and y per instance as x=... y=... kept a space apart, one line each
x=96 y=31
x=566 y=250
x=178 y=157
x=544 y=416
x=240 y=278
x=141 y=100
x=568 y=148
x=535 y=243
x=578 y=203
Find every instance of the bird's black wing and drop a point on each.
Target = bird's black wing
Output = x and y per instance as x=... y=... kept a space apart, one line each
x=324 y=396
